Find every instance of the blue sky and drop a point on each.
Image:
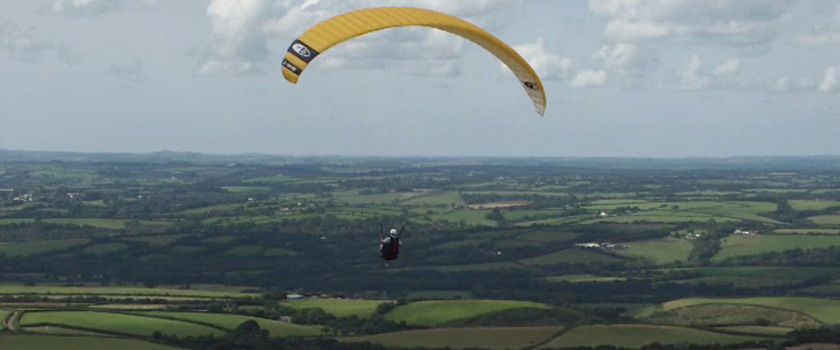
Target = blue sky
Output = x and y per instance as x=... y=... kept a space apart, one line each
x=635 y=78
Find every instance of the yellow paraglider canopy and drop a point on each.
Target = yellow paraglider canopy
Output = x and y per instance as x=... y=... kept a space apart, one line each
x=354 y=24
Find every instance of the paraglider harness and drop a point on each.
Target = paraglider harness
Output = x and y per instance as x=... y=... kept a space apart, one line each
x=389 y=247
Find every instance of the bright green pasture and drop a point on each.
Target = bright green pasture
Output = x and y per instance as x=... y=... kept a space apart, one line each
x=712 y=315
x=230 y=322
x=105 y=248
x=459 y=338
x=636 y=336
x=14 y=250
x=812 y=204
x=122 y=291
x=214 y=208
x=48 y=342
x=553 y=222
x=750 y=245
x=246 y=189
x=660 y=251
x=699 y=211
x=470 y=217
x=338 y=307
x=117 y=323
x=825 y=310
x=435 y=200
x=379 y=198
x=826 y=219
x=429 y=313
x=808 y=231
x=519 y=215
x=570 y=256
x=664 y=216
x=245 y=250
x=758 y=330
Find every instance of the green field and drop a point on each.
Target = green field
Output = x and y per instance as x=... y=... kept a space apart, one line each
x=710 y=315
x=13 y=250
x=750 y=245
x=157 y=240
x=469 y=217
x=571 y=256
x=381 y=198
x=824 y=310
x=230 y=322
x=121 y=291
x=807 y=231
x=436 y=200
x=660 y=251
x=460 y=338
x=584 y=278
x=807 y=205
x=117 y=323
x=758 y=330
x=46 y=342
x=109 y=224
x=548 y=236
x=636 y=336
x=339 y=307
x=3 y=315
x=663 y=217
x=826 y=219
x=245 y=250
x=429 y=313
x=246 y=189
x=105 y=248
x=698 y=211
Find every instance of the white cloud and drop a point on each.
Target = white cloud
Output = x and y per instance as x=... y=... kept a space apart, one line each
x=590 y=79
x=831 y=81
x=547 y=65
x=249 y=29
x=723 y=22
x=730 y=67
x=693 y=77
x=21 y=45
x=819 y=36
x=626 y=58
x=785 y=84
x=79 y=8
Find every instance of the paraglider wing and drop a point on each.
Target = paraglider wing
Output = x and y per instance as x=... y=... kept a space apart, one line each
x=354 y=24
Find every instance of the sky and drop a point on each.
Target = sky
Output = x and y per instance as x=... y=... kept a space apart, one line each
x=624 y=78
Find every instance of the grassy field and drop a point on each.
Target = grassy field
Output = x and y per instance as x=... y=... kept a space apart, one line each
x=105 y=248
x=470 y=217
x=109 y=224
x=157 y=240
x=245 y=250
x=117 y=323
x=122 y=291
x=429 y=313
x=548 y=236
x=13 y=250
x=663 y=217
x=812 y=204
x=460 y=338
x=824 y=310
x=584 y=278
x=45 y=342
x=436 y=200
x=750 y=245
x=246 y=189
x=3 y=315
x=230 y=322
x=381 y=198
x=826 y=219
x=636 y=336
x=710 y=315
x=758 y=330
x=660 y=251
x=339 y=307
x=807 y=231
x=575 y=255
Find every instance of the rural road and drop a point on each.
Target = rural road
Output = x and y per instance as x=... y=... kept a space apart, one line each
x=11 y=322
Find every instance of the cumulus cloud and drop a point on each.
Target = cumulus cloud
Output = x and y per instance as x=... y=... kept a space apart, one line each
x=730 y=67
x=21 y=45
x=81 y=8
x=547 y=65
x=723 y=22
x=831 y=81
x=626 y=58
x=590 y=79
x=248 y=30
x=787 y=85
